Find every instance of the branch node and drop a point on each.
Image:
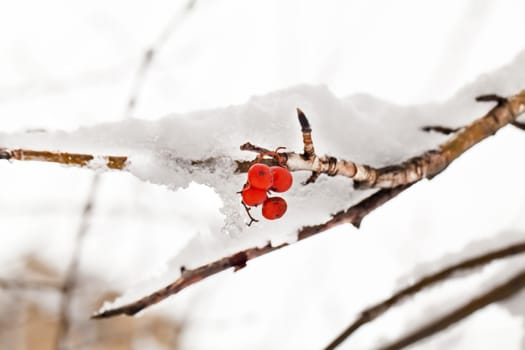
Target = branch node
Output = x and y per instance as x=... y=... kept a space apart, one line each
x=309 y=150
x=440 y=129
x=312 y=178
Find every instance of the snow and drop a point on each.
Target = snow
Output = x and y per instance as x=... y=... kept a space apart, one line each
x=371 y=74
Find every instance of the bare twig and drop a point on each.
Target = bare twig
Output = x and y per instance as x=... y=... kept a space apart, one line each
x=519 y=125
x=150 y=54
x=500 y=292
x=440 y=129
x=74 y=159
x=373 y=312
x=306 y=129
x=252 y=219
x=354 y=215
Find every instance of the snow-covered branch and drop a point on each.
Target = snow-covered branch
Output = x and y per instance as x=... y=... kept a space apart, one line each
x=414 y=169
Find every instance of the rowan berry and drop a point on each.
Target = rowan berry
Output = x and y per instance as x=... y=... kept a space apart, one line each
x=260 y=176
x=253 y=196
x=274 y=207
x=282 y=179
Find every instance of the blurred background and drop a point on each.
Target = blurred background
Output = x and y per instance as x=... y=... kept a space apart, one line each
x=70 y=239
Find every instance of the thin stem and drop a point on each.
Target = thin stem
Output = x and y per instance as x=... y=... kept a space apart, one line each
x=373 y=312
x=500 y=292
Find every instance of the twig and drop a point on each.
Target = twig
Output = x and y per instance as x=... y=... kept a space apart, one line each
x=70 y=282
x=252 y=219
x=440 y=129
x=354 y=215
x=500 y=292
x=74 y=159
x=150 y=54
x=373 y=312
x=519 y=125
x=30 y=285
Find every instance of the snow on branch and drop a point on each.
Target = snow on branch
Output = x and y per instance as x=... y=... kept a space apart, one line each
x=414 y=169
x=394 y=179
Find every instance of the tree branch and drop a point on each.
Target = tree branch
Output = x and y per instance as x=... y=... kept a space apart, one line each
x=73 y=159
x=30 y=285
x=500 y=292
x=427 y=165
x=353 y=215
x=71 y=277
x=373 y=312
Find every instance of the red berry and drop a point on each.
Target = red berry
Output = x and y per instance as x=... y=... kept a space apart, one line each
x=260 y=176
x=282 y=179
x=274 y=207
x=253 y=196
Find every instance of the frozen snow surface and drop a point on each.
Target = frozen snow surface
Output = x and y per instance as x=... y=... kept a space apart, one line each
x=366 y=78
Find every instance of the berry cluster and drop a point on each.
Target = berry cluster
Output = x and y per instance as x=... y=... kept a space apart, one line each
x=261 y=180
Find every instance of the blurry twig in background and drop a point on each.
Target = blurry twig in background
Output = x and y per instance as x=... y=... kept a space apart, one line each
x=29 y=284
x=500 y=292
x=151 y=53
x=71 y=278
x=111 y=162
x=378 y=309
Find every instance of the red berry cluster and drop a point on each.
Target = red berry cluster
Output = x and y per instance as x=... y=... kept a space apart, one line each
x=261 y=180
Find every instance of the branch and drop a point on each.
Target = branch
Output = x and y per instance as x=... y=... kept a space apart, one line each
x=30 y=285
x=72 y=270
x=500 y=292
x=74 y=159
x=377 y=310
x=150 y=54
x=427 y=165
x=405 y=174
x=519 y=125
x=353 y=215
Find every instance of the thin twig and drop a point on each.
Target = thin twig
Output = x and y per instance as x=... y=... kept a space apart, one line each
x=71 y=279
x=440 y=129
x=519 y=125
x=500 y=292
x=354 y=215
x=373 y=312
x=252 y=219
x=152 y=52
x=29 y=285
